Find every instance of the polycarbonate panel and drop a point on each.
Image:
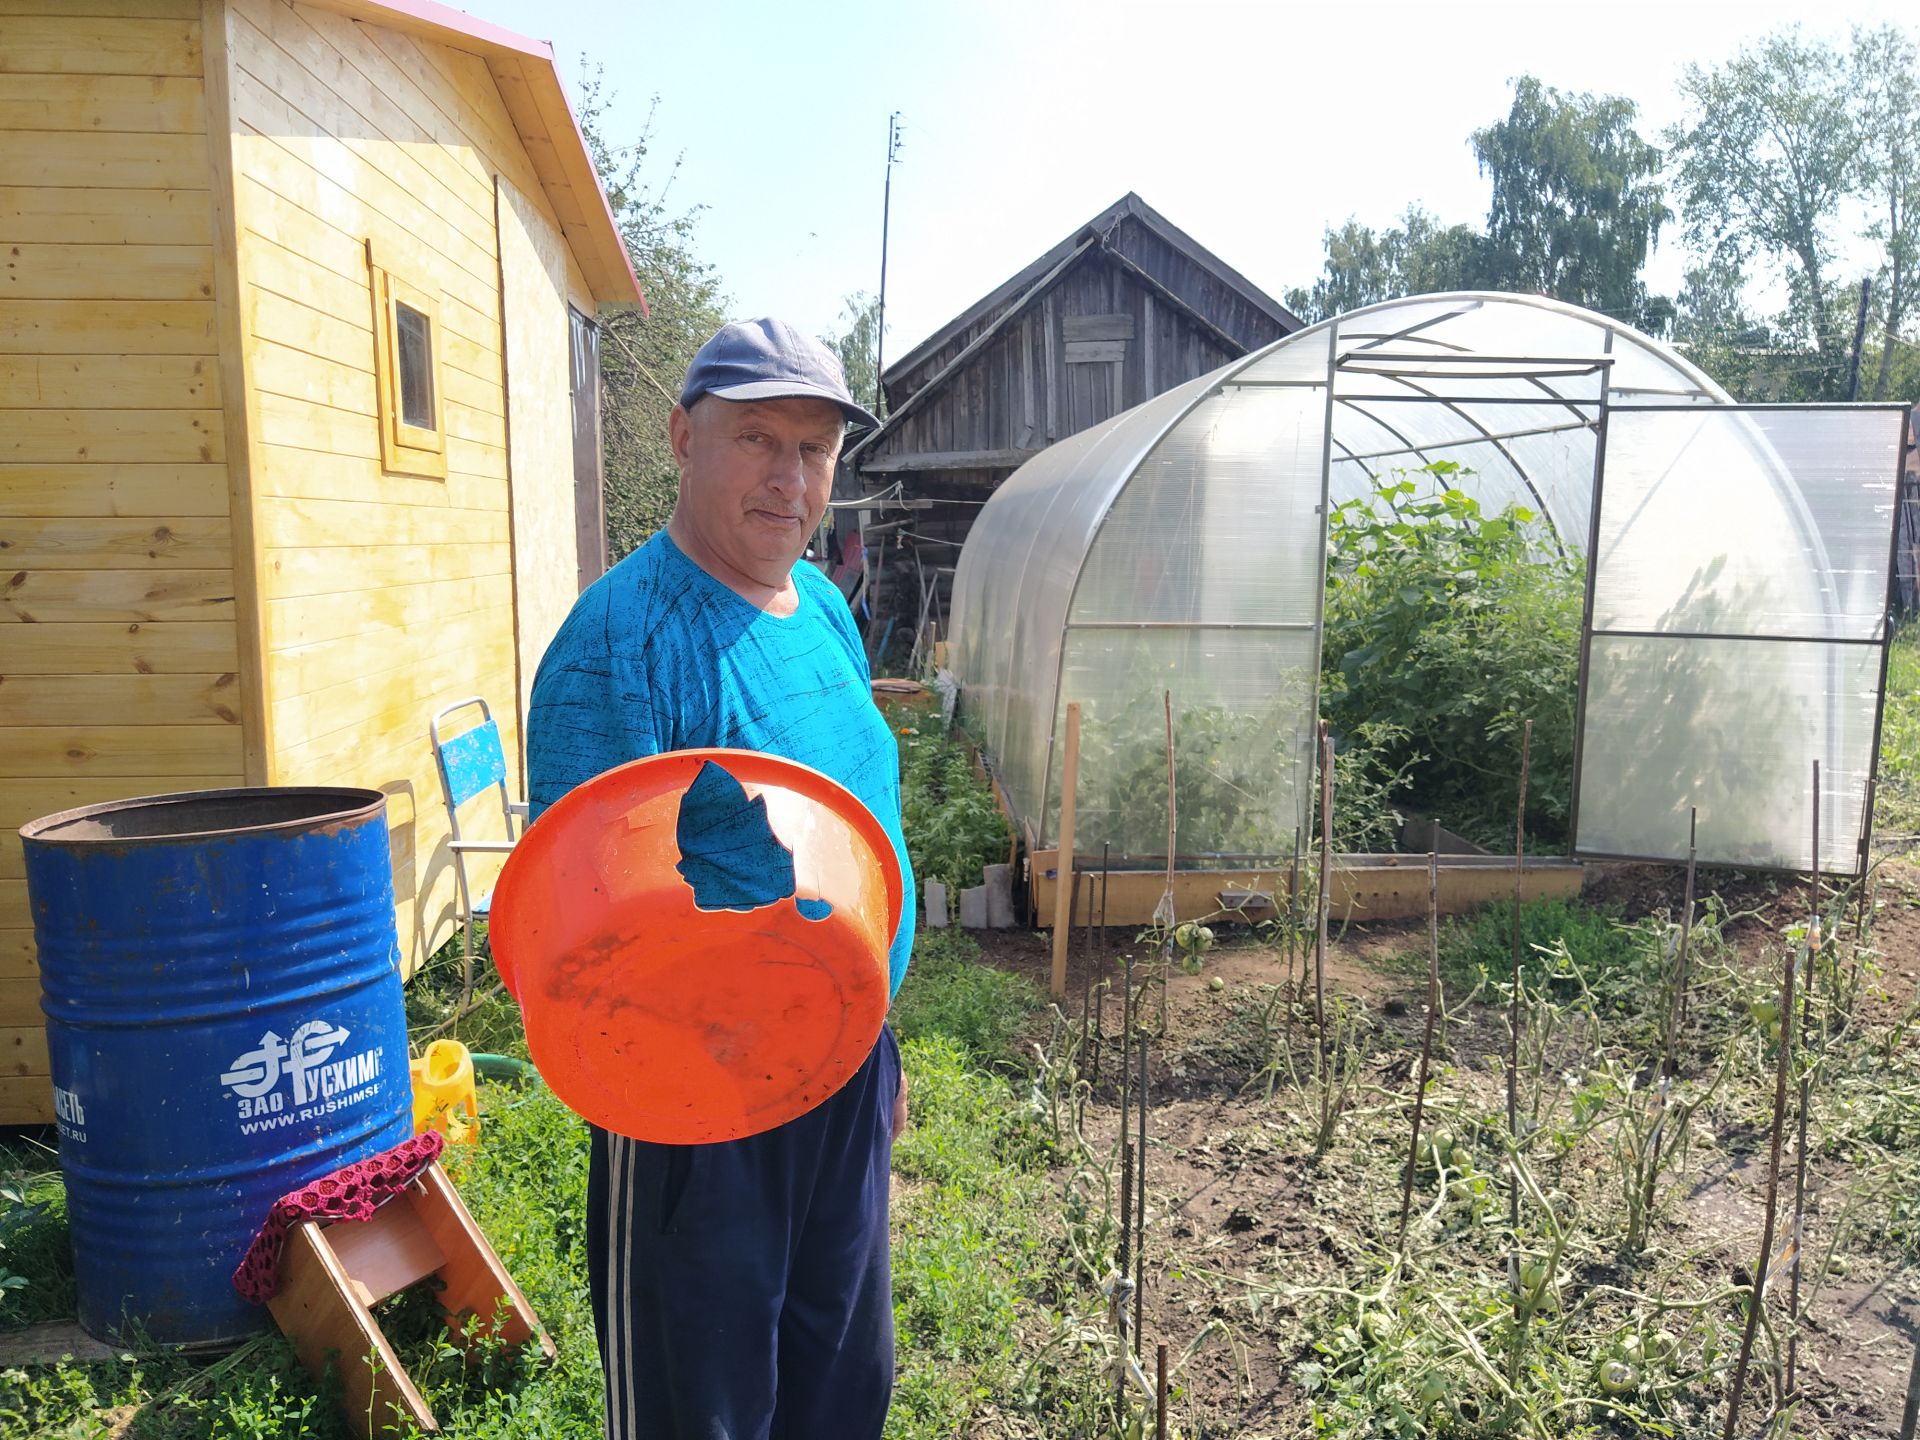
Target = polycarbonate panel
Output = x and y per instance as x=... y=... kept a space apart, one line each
x=1243 y=708
x=1747 y=522
x=1016 y=575
x=1648 y=372
x=1393 y=321
x=1731 y=727
x=1221 y=522
x=1515 y=325
x=1483 y=392
x=1297 y=359
x=1415 y=431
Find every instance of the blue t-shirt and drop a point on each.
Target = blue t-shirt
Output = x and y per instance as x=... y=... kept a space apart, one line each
x=658 y=655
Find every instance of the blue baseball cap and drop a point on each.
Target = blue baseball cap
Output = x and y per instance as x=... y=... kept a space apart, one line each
x=768 y=359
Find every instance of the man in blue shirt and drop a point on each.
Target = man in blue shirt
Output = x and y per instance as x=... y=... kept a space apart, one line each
x=741 y=1290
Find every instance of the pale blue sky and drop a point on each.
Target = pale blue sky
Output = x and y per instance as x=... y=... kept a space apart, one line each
x=1251 y=126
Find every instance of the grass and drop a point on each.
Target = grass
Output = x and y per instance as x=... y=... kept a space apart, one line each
x=1897 y=806
x=969 y=1253
x=949 y=994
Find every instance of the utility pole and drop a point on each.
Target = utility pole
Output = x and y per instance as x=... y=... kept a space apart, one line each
x=886 y=207
x=1859 y=339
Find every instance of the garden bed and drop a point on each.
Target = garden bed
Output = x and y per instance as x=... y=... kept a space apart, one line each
x=1270 y=1269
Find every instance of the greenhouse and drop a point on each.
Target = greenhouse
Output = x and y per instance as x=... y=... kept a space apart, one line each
x=1736 y=616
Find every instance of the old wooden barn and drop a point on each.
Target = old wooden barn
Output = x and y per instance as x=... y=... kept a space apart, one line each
x=1124 y=308
x=298 y=411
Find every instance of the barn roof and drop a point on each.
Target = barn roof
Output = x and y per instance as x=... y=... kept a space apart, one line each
x=529 y=83
x=1127 y=205
x=996 y=309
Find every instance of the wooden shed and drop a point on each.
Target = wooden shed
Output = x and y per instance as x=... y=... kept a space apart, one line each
x=298 y=411
x=1124 y=308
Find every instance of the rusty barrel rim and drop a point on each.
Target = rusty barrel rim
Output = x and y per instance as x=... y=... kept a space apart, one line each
x=305 y=807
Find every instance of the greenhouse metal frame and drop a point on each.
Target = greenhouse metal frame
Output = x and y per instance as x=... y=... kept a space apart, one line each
x=1740 y=562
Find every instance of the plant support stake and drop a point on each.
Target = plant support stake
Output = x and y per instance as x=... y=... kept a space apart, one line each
x=1759 y=1296
x=1686 y=920
x=1160 y=1393
x=1426 y=1043
x=1814 y=939
x=1166 y=899
x=1063 y=866
x=1140 y=1207
x=1320 y=932
x=1676 y=1006
x=1911 y=1416
x=1513 y=1001
x=1124 y=1268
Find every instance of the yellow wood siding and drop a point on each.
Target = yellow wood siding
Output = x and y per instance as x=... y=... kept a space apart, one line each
x=385 y=596
x=117 y=630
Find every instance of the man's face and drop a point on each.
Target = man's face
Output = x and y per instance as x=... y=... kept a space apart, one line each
x=755 y=478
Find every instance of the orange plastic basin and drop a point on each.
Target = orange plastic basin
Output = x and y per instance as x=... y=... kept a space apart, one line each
x=660 y=1020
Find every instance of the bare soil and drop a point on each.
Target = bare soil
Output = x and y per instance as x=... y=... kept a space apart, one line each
x=1233 y=1191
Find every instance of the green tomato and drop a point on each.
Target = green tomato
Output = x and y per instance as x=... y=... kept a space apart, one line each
x=1433 y=1389
x=1216 y=984
x=1616 y=1377
x=1378 y=1325
x=1628 y=1348
x=1661 y=1347
x=1764 y=1012
x=1533 y=1275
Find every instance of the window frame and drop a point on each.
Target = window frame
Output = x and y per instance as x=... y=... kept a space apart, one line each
x=405 y=449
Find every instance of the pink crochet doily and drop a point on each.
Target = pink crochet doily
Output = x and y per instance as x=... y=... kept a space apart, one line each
x=353 y=1192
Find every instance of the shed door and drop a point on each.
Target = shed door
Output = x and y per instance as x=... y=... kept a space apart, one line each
x=1736 y=632
x=540 y=441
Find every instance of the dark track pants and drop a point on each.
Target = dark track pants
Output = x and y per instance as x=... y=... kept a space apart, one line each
x=742 y=1291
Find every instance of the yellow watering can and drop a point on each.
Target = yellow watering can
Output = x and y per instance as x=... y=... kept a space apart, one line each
x=443 y=1097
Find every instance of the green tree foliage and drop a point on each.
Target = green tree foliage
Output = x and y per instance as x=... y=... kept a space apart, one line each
x=1577 y=202
x=1716 y=328
x=858 y=346
x=1771 y=146
x=643 y=358
x=1577 y=205
x=1446 y=630
x=1365 y=266
x=1887 y=65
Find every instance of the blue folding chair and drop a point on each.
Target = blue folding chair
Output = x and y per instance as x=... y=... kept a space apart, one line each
x=470 y=763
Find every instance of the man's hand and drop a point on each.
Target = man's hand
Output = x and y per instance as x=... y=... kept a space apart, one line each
x=900 y=1107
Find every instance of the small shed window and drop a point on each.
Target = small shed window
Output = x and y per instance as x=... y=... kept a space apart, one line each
x=407 y=367
x=414 y=337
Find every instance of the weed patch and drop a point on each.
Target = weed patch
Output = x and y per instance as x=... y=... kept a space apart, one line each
x=948 y=815
x=948 y=993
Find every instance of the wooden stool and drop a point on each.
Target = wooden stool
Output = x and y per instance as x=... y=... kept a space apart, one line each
x=332 y=1274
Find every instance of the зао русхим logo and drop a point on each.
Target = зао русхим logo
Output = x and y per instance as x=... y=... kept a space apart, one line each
x=297 y=1077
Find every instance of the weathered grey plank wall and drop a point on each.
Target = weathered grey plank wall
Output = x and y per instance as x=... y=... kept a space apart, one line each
x=1123 y=310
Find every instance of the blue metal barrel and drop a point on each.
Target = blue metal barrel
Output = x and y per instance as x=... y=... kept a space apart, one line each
x=221 y=980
